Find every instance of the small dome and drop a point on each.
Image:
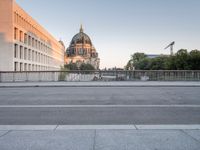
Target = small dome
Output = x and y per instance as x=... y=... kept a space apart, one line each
x=81 y=38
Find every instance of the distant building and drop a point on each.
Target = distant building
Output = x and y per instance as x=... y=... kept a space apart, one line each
x=24 y=44
x=153 y=55
x=81 y=50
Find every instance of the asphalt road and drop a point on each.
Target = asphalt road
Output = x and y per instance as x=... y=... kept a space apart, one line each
x=99 y=105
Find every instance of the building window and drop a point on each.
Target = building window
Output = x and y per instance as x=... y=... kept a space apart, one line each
x=29 y=40
x=81 y=51
x=21 y=36
x=25 y=38
x=16 y=66
x=36 y=46
x=16 y=33
x=25 y=53
x=36 y=57
x=39 y=47
x=29 y=68
x=16 y=51
x=33 y=68
x=25 y=67
x=29 y=54
x=32 y=42
x=21 y=66
x=32 y=55
x=21 y=52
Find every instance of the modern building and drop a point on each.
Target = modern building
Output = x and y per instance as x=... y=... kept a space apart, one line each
x=81 y=50
x=153 y=55
x=24 y=44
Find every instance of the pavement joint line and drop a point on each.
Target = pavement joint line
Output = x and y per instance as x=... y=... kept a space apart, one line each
x=94 y=143
x=55 y=127
x=96 y=106
x=190 y=136
x=135 y=127
x=6 y=133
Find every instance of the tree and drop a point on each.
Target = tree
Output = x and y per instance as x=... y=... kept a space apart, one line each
x=86 y=67
x=181 y=60
x=71 y=66
x=194 y=60
x=144 y=64
x=62 y=74
x=129 y=65
x=170 y=63
x=137 y=57
x=159 y=63
x=135 y=60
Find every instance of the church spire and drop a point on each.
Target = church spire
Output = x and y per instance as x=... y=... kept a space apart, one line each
x=81 y=29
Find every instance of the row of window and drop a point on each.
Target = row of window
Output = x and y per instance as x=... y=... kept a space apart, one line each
x=80 y=51
x=19 y=66
x=71 y=52
x=30 y=41
x=24 y=53
x=24 y=23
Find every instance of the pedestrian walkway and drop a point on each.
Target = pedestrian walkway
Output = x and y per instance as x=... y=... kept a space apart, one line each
x=128 y=137
x=103 y=84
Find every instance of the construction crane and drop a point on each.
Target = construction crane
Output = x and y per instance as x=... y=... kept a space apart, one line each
x=171 y=45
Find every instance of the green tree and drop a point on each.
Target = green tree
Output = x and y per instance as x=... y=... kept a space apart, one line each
x=143 y=64
x=71 y=66
x=137 y=57
x=194 y=60
x=170 y=63
x=135 y=60
x=62 y=74
x=159 y=63
x=129 y=65
x=86 y=67
x=182 y=60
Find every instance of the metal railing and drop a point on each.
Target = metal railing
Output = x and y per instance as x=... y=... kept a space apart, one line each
x=138 y=75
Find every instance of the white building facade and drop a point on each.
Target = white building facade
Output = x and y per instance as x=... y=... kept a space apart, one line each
x=24 y=44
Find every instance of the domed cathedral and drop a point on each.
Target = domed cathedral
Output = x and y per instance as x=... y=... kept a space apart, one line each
x=81 y=50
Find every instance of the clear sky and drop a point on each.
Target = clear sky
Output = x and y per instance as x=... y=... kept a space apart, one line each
x=119 y=28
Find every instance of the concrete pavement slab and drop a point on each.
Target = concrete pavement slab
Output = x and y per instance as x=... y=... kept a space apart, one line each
x=48 y=140
x=81 y=139
x=144 y=140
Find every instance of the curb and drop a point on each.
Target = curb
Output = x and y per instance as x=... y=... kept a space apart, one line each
x=96 y=127
x=75 y=86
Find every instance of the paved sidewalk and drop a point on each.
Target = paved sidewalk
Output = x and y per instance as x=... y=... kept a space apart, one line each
x=100 y=138
x=103 y=84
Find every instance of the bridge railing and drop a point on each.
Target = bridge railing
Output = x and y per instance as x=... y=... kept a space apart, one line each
x=76 y=76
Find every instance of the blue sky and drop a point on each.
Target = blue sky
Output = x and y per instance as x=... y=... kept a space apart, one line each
x=119 y=28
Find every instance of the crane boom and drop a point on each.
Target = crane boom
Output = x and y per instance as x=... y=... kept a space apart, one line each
x=171 y=45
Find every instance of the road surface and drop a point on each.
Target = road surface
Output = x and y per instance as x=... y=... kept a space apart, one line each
x=99 y=105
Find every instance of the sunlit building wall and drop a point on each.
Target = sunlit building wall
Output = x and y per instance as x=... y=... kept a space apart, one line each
x=24 y=44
